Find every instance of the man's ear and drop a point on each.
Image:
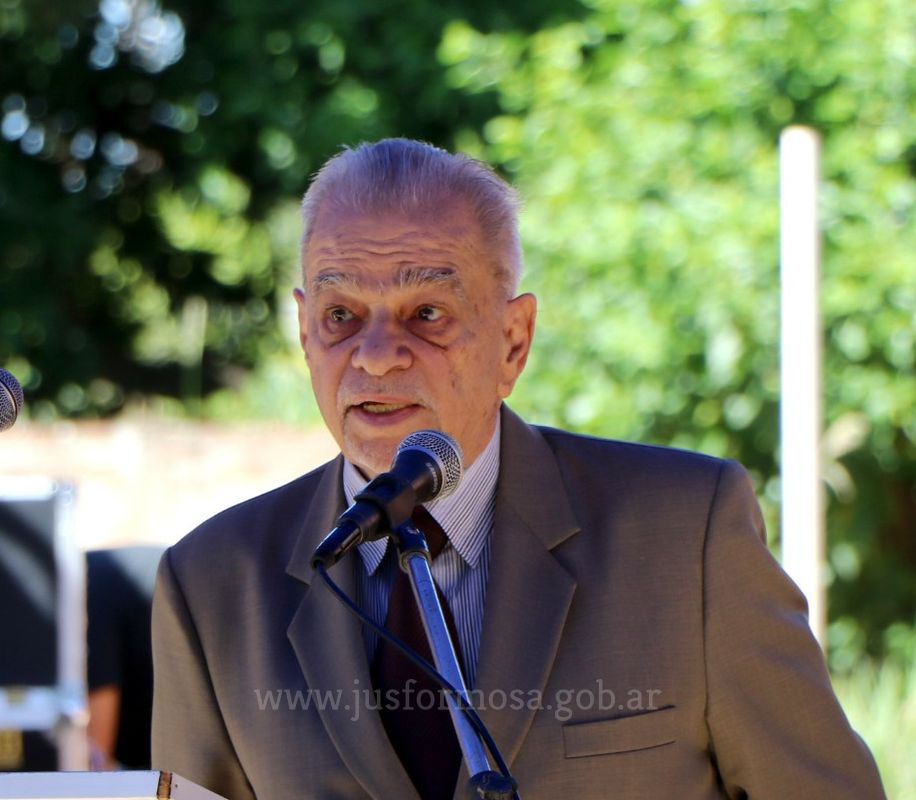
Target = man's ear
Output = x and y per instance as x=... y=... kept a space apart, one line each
x=299 y=297
x=518 y=332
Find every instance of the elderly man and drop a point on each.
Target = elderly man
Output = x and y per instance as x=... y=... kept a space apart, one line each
x=622 y=625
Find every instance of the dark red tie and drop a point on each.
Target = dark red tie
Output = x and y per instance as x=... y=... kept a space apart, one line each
x=416 y=718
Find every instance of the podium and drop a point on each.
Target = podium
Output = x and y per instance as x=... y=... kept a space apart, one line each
x=139 y=785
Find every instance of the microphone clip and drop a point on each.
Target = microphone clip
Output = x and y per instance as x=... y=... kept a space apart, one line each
x=384 y=505
x=426 y=465
x=392 y=496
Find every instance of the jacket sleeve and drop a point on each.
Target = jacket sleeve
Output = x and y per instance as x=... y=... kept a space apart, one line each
x=776 y=727
x=189 y=736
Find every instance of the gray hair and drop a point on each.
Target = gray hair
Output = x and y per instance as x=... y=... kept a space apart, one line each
x=417 y=178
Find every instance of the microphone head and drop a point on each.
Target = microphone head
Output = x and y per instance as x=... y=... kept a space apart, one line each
x=11 y=399
x=444 y=451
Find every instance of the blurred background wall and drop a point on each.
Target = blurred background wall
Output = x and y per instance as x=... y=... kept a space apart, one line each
x=151 y=482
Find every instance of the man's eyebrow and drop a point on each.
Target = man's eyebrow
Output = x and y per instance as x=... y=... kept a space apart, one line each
x=408 y=277
x=330 y=279
x=423 y=276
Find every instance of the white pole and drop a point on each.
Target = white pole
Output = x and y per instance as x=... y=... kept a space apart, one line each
x=801 y=412
x=72 y=740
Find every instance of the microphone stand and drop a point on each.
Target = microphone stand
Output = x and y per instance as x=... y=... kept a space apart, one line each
x=413 y=557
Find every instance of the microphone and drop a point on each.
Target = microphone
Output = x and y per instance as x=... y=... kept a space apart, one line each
x=11 y=399
x=427 y=464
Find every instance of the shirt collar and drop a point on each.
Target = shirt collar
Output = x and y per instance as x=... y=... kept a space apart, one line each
x=465 y=515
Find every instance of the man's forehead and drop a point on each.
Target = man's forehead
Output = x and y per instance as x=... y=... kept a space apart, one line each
x=380 y=251
x=455 y=218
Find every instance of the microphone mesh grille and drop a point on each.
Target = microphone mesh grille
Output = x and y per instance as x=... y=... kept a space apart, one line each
x=11 y=399
x=445 y=450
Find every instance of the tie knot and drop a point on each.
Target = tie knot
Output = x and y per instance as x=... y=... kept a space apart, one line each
x=432 y=530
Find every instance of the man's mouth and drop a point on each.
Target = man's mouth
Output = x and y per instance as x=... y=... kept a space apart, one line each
x=383 y=408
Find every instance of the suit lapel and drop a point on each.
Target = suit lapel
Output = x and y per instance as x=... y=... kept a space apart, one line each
x=528 y=591
x=329 y=646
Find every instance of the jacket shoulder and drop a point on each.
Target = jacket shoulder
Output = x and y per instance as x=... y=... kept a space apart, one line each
x=616 y=459
x=269 y=521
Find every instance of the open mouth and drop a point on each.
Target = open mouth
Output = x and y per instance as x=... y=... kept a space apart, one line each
x=383 y=408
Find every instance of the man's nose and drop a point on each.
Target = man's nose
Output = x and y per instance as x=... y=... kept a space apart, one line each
x=382 y=347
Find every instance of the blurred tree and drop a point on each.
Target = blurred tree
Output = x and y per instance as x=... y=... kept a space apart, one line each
x=644 y=138
x=150 y=164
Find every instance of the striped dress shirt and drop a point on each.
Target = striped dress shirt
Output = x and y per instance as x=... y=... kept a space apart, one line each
x=460 y=571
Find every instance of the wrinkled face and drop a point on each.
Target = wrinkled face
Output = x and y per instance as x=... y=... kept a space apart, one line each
x=404 y=326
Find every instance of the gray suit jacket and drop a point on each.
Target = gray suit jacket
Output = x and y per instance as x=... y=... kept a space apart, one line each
x=639 y=641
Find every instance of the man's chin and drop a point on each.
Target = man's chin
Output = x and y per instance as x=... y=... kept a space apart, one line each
x=372 y=458
x=372 y=448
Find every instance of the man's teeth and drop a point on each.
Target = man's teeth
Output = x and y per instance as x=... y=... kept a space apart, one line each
x=383 y=408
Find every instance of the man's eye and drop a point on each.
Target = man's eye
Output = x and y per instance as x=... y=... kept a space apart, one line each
x=429 y=314
x=340 y=314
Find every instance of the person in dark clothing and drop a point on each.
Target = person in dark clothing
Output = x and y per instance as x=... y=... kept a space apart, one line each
x=120 y=672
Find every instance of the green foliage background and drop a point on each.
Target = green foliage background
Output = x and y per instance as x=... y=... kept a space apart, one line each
x=154 y=268
x=645 y=137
